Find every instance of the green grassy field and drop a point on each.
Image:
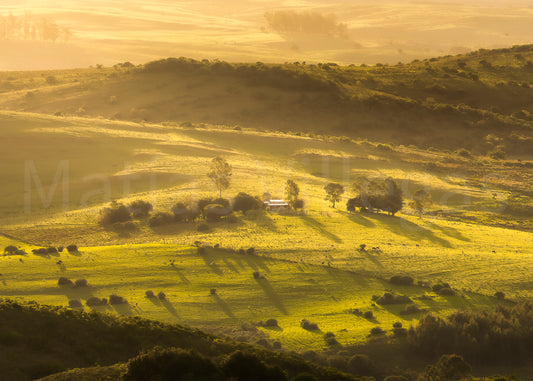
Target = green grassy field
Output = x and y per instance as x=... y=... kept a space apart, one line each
x=289 y=292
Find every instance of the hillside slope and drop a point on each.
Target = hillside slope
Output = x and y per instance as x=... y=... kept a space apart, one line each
x=481 y=100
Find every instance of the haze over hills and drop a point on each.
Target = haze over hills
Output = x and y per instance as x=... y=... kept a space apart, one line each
x=113 y=31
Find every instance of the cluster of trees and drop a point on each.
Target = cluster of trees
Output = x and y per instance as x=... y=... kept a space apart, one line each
x=376 y=194
x=502 y=335
x=29 y=27
x=292 y=22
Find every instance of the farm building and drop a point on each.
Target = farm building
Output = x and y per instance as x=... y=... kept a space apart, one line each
x=276 y=206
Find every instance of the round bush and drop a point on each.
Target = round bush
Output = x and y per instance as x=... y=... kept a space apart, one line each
x=80 y=283
x=115 y=299
x=161 y=295
x=64 y=282
x=149 y=294
x=115 y=213
x=368 y=315
x=270 y=323
x=74 y=304
x=93 y=301
x=377 y=331
x=72 y=248
x=51 y=250
x=140 y=208
x=402 y=280
x=161 y=219
x=361 y=365
x=499 y=295
x=307 y=325
x=244 y=202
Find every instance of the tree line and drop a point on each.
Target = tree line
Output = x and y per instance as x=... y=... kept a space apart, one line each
x=32 y=28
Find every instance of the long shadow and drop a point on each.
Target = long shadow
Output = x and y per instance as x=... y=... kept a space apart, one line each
x=180 y=274
x=319 y=227
x=123 y=309
x=360 y=220
x=263 y=221
x=170 y=308
x=407 y=229
x=74 y=253
x=450 y=232
x=256 y=263
x=274 y=298
x=230 y=265
x=155 y=301
x=372 y=258
x=211 y=263
x=224 y=306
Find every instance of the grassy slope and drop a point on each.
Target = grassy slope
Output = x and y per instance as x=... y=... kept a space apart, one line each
x=431 y=103
x=39 y=340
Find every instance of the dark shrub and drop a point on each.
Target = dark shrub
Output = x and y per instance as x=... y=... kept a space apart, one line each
x=202 y=227
x=180 y=211
x=250 y=251
x=298 y=204
x=64 y=282
x=74 y=304
x=242 y=251
x=203 y=202
x=51 y=250
x=329 y=338
x=115 y=213
x=463 y=152
x=242 y=366
x=263 y=343
x=80 y=283
x=377 y=331
x=307 y=325
x=437 y=287
x=450 y=368
x=93 y=301
x=10 y=249
x=361 y=365
x=397 y=324
x=244 y=202
x=410 y=309
x=41 y=251
x=270 y=323
x=161 y=295
x=446 y=291
x=60 y=249
x=215 y=212
x=140 y=208
x=499 y=295
x=390 y=298
x=213 y=291
x=402 y=280
x=161 y=219
x=256 y=275
x=171 y=364
x=368 y=315
x=149 y=294
x=115 y=299
x=72 y=248
x=399 y=332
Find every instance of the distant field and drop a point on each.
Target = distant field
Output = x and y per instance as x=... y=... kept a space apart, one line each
x=289 y=292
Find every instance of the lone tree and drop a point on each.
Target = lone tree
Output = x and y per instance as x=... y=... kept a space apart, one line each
x=334 y=193
x=421 y=200
x=220 y=173
x=292 y=190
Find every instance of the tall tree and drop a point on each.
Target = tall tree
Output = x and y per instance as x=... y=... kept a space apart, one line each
x=220 y=173
x=334 y=193
x=421 y=200
x=292 y=190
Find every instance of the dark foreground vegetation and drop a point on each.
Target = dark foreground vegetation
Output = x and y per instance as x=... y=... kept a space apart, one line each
x=37 y=341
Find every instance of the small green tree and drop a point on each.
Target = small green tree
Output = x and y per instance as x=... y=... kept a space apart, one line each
x=449 y=367
x=334 y=193
x=220 y=174
x=421 y=200
x=292 y=190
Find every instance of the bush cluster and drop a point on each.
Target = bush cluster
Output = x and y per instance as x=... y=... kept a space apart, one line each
x=390 y=298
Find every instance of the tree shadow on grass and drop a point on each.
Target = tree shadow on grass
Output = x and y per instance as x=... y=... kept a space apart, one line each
x=360 y=220
x=263 y=221
x=271 y=294
x=450 y=232
x=123 y=309
x=210 y=261
x=372 y=258
x=256 y=263
x=320 y=228
x=170 y=308
x=230 y=265
x=182 y=277
x=401 y=226
x=223 y=305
